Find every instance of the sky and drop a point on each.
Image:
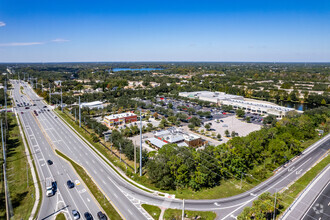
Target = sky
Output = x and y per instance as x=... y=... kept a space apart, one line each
x=124 y=30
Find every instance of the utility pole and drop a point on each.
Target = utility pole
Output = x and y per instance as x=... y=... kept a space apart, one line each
x=183 y=209
x=111 y=142
x=241 y=180
x=275 y=205
x=61 y=101
x=140 y=143
x=79 y=113
x=75 y=115
x=3 y=145
x=120 y=151
x=36 y=83
x=135 y=157
x=50 y=95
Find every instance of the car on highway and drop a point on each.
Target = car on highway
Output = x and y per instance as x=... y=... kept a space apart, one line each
x=49 y=162
x=102 y=216
x=27 y=107
x=22 y=113
x=75 y=214
x=88 y=216
x=70 y=184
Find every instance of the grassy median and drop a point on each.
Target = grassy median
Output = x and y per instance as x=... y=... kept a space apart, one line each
x=20 y=182
x=99 y=196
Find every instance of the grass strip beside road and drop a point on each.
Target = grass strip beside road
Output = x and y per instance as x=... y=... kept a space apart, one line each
x=35 y=169
x=20 y=182
x=289 y=195
x=60 y=216
x=154 y=211
x=106 y=205
x=171 y=214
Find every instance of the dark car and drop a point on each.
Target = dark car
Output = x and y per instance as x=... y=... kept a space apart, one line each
x=70 y=184
x=102 y=216
x=54 y=186
x=88 y=216
x=49 y=162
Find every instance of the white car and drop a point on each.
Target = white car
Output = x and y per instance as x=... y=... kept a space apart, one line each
x=75 y=214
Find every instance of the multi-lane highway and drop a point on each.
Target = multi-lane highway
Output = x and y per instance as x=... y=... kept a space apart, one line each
x=65 y=199
x=314 y=202
x=127 y=197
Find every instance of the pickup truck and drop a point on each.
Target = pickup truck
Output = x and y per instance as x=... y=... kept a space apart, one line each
x=49 y=187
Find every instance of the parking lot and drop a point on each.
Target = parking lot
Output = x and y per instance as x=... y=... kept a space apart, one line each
x=231 y=123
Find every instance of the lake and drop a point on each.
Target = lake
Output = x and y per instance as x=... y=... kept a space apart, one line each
x=296 y=105
x=129 y=69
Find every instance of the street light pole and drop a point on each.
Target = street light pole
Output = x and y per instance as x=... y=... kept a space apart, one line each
x=135 y=157
x=275 y=205
x=140 y=143
x=61 y=101
x=183 y=209
x=241 y=179
x=79 y=113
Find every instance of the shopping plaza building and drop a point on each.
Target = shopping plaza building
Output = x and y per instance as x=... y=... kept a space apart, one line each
x=239 y=102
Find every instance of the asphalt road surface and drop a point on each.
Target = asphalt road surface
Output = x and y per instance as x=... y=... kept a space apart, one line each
x=320 y=209
x=127 y=197
x=65 y=199
x=314 y=201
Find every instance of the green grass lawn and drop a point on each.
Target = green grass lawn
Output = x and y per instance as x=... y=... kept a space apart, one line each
x=22 y=192
x=171 y=214
x=154 y=211
x=106 y=205
x=295 y=189
x=60 y=216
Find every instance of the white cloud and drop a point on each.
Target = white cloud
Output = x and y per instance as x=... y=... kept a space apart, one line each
x=60 y=40
x=14 y=44
x=2 y=24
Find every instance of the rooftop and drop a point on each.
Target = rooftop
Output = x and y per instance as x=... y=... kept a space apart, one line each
x=121 y=115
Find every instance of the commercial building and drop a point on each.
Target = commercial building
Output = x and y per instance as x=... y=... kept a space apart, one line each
x=239 y=102
x=91 y=105
x=119 y=119
x=175 y=136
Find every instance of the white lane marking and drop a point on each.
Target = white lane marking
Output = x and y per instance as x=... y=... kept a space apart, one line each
x=115 y=195
x=129 y=211
x=298 y=172
x=88 y=200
